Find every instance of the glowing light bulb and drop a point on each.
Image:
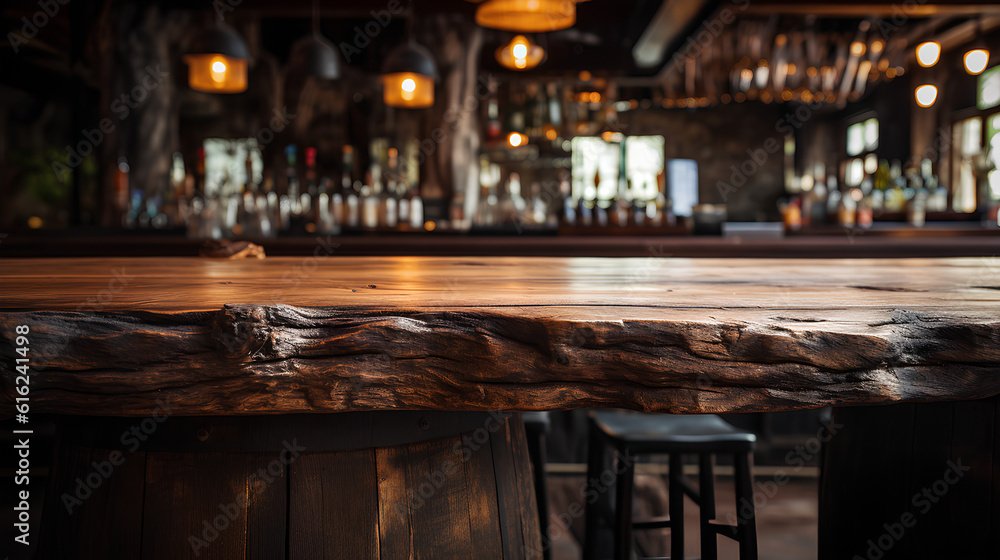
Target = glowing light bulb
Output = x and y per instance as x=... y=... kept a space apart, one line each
x=976 y=60
x=218 y=71
x=519 y=50
x=408 y=85
x=926 y=95
x=515 y=139
x=928 y=53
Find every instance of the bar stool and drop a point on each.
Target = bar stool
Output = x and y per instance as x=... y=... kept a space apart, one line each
x=630 y=434
x=536 y=426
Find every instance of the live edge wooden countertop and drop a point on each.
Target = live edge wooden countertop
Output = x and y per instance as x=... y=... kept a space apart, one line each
x=284 y=335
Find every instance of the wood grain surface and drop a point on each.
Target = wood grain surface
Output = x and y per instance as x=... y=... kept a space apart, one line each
x=315 y=334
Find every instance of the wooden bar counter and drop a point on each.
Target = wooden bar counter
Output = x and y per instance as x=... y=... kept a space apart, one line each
x=256 y=346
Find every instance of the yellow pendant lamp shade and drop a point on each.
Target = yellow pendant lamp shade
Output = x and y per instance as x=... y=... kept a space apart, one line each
x=217 y=61
x=215 y=73
x=520 y=54
x=408 y=77
x=527 y=16
x=407 y=89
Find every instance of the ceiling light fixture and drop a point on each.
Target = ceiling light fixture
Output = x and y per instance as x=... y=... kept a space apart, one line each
x=527 y=16
x=928 y=53
x=926 y=95
x=408 y=77
x=217 y=61
x=977 y=58
x=520 y=54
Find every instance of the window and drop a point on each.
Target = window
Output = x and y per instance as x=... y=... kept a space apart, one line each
x=993 y=155
x=862 y=141
x=966 y=139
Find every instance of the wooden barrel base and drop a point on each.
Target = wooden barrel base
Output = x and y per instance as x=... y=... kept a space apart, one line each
x=380 y=485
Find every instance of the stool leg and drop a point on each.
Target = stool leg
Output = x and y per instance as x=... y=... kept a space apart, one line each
x=536 y=452
x=746 y=531
x=706 y=491
x=625 y=468
x=675 y=500
x=595 y=463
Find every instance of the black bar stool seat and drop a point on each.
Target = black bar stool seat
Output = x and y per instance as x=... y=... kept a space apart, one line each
x=630 y=434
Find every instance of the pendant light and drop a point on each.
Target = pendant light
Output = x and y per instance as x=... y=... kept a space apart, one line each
x=928 y=53
x=977 y=58
x=520 y=54
x=408 y=77
x=217 y=61
x=314 y=55
x=527 y=16
x=926 y=95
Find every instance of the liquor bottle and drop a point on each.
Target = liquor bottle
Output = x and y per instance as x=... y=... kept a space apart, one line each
x=307 y=196
x=370 y=198
x=493 y=125
x=894 y=198
x=389 y=203
x=199 y=173
x=569 y=205
x=311 y=186
x=847 y=210
x=288 y=201
x=416 y=209
x=248 y=182
x=555 y=119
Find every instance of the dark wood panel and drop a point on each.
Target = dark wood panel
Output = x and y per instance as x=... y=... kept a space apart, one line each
x=512 y=534
x=268 y=507
x=911 y=482
x=439 y=513
x=481 y=492
x=879 y=440
x=528 y=507
x=342 y=522
x=933 y=430
x=194 y=506
x=119 y=534
x=67 y=500
x=395 y=500
x=969 y=499
x=306 y=540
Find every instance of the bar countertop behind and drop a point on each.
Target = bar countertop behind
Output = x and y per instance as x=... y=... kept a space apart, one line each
x=835 y=242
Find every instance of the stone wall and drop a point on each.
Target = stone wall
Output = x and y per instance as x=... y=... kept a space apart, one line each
x=730 y=144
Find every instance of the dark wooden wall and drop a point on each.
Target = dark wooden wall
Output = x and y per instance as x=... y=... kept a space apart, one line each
x=891 y=487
